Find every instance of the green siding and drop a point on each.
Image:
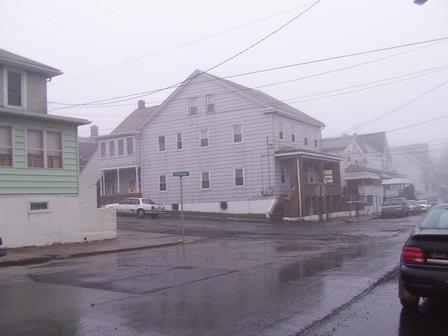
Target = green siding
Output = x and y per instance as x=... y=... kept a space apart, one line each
x=22 y=180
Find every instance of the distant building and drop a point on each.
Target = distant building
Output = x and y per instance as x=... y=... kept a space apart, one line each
x=42 y=200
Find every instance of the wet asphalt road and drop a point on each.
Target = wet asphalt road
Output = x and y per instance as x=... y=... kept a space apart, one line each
x=380 y=313
x=245 y=279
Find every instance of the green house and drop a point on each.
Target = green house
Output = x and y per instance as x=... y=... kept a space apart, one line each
x=39 y=165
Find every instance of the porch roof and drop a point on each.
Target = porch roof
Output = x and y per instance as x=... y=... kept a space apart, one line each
x=307 y=154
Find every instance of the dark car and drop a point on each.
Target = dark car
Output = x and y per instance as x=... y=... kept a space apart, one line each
x=424 y=260
x=2 y=248
x=395 y=207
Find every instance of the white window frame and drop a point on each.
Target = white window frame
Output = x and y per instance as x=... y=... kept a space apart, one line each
x=209 y=180
x=109 y=147
x=293 y=134
x=207 y=103
x=181 y=141
x=191 y=105
x=105 y=149
x=159 y=143
x=45 y=147
x=23 y=88
x=13 y=161
x=123 y=152
x=133 y=145
x=166 y=183
x=234 y=178
x=281 y=132
x=200 y=137
x=234 y=134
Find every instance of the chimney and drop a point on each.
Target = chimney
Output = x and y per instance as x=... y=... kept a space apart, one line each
x=93 y=131
x=141 y=104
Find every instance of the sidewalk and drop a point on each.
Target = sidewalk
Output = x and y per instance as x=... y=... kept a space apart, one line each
x=126 y=241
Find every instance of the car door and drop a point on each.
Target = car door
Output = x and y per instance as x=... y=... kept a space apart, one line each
x=123 y=206
x=134 y=205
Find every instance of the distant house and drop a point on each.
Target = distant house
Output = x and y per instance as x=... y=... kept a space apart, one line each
x=367 y=162
x=119 y=157
x=415 y=164
x=41 y=201
x=246 y=152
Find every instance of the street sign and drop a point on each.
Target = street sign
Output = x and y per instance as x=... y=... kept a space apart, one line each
x=182 y=173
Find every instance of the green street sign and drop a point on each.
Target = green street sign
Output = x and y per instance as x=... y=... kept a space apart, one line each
x=184 y=173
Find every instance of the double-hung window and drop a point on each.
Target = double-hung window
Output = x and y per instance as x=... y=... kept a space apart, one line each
x=103 y=149
x=239 y=177
x=282 y=175
x=130 y=145
x=35 y=148
x=6 y=146
x=161 y=143
x=204 y=137
x=237 y=133
x=54 y=150
x=112 y=148
x=205 y=180
x=293 y=134
x=179 y=142
x=210 y=103
x=120 y=145
x=162 y=183
x=15 y=87
x=280 y=131
x=305 y=141
x=193 y=106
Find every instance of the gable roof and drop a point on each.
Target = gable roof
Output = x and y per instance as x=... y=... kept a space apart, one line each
x=135 y=120
x=268 y=101
x=377 y=141
x=9 y=58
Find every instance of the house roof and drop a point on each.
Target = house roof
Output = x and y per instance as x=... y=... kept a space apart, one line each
x=268 y=101
x=291 y=153
x=377 y=141
x=420 y=152
x=42 y=116
x=11 y=59
x=135 y=120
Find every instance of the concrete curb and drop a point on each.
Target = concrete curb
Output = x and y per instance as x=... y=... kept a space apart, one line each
x=45 y=259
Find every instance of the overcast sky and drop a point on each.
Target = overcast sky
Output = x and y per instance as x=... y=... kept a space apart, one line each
x=146 y=44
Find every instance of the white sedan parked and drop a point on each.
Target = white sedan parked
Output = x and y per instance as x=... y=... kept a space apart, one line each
x=138 y=206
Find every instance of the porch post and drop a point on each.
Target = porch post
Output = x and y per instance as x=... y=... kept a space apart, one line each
x=101 y=183
x=299 y=187
x=118 y=181
x=137 y=182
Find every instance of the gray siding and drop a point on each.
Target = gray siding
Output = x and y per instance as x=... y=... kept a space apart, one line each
x=1 y=85
x=36 y=92
x=220 y=158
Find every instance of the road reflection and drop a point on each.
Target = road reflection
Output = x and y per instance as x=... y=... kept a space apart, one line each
x=430 y=319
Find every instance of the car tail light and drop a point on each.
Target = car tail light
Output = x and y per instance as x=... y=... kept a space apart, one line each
x=412 y=255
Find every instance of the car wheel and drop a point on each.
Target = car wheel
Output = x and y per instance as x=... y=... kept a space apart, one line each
x=141 y=213
x=407 y=300
x=154 y=215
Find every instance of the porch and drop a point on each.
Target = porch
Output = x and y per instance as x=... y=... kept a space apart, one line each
x=118 y=183
x=315 y=184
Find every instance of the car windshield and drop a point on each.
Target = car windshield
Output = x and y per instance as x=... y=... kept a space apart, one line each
x=436 y=219
x=147 y=201
x=422 y=202
x=392 y=201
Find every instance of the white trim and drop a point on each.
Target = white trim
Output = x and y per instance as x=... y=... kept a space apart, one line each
x=12 y=147
x=314 y=155
x=209 y=181
x=233 y=134
x=166 y=183
x=23 y=83
x=200 y=138
x=280 y=129
x=164 y=143
x=119 y=167
x=234 y=178
x=190 y=105
x=207 y=103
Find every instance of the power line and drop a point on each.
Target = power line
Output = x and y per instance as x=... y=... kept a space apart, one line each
x=401 y=106
x=128 y=97
x=35 y=10
x=417 y=124
x=392 y=80
x=162 y=51
x=253 y=45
